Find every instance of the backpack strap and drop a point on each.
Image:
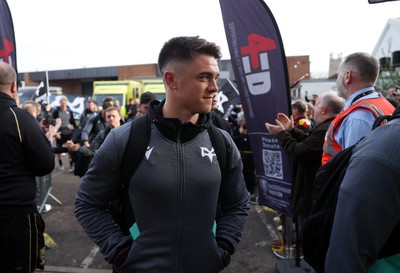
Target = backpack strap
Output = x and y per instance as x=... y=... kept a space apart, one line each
x=218 y=142
x=386 y=118
x=139 y=137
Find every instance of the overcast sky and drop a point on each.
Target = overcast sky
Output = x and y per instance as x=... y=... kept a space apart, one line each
x=69 y=34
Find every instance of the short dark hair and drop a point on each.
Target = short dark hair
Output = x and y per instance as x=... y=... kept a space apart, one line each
x=146 y=97
x=366 y=65
x=184 y=48
x=107 y=102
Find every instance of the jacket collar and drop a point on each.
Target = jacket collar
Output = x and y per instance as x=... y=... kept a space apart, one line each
x=6 y=101
x=173 y=128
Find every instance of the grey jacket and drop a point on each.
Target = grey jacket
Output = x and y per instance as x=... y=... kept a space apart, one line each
x=174 y=194
x=368 y=205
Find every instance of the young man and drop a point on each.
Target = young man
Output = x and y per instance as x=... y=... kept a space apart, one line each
x=178 y=188
x=143 y=106
x=357 y=75
x=25 y=153
x=113 y=119
x=96 y=123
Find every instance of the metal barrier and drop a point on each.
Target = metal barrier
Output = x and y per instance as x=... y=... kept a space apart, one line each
x=44 y=191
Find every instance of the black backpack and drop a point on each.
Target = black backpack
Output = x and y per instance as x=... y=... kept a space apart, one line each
x=120 y=208
x=318 y=225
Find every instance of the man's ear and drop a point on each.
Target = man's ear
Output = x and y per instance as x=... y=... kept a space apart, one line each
x=170 y=79
x=13 y=89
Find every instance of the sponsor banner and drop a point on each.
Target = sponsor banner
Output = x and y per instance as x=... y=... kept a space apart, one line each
x=259 y=65
x=7 y=37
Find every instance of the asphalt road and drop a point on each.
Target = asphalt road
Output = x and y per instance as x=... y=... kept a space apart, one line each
x=73 y=252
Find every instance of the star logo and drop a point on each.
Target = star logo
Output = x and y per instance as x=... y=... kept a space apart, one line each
x=209 y=153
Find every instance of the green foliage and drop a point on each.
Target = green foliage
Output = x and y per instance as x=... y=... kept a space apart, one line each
x=388 y=78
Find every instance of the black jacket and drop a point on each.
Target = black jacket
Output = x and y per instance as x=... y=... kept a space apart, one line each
x=306 y=150
x=25 y=153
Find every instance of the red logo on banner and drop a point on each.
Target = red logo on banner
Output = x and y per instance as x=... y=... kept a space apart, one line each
x=5 y=53
x=255 y=58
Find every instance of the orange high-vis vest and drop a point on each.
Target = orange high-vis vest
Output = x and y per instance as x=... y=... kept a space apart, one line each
x=378 y=106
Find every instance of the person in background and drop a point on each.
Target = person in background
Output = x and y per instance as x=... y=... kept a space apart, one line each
x=113 y=118
x=91 y=110
x=25 y=154
x=180 y=171
x=96 y=123
x=357 y=75
x=131 y=108
x=306 y=150
x=394 y=95
x=242 y=142
x=299 y=113
x=368 y=208
x=66 y=130
x=217 y=118
x=143 y=107
x=30 y=108
x=310 y=113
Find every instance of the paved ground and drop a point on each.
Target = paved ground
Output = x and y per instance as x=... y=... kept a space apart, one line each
x=76 y=253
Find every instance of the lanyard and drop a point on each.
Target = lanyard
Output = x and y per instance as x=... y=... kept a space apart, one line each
x=362 y=95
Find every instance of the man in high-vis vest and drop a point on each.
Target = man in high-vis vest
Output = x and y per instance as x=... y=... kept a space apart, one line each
x=357 y=75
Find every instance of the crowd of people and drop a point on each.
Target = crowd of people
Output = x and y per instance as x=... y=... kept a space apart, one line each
x=180 y=149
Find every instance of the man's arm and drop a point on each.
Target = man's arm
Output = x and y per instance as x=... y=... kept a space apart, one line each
x=234 y=201
x=36 y=146
x=367 y=210
x=99 y=186
x=86 y=131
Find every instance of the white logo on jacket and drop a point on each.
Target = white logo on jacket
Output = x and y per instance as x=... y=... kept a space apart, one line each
x=148 y=152
x=206 y=152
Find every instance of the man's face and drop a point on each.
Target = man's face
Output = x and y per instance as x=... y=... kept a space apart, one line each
x=340 y=81
x=196 y=85
x=91 y=106
x=63 y=104
x=142 y=109
x=113 y=118
x=319 y=109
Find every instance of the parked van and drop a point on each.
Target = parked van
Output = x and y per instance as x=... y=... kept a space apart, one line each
x=155 y=86
x=120 y=91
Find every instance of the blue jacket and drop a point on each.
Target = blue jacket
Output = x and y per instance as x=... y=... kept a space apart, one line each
x=174 y=195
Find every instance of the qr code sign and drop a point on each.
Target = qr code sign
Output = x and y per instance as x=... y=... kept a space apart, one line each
x=273 y=164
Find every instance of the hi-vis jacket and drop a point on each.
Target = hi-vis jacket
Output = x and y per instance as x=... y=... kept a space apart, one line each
x=378 y=106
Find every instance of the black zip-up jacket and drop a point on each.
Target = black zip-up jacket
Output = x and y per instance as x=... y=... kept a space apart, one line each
x=25 y=153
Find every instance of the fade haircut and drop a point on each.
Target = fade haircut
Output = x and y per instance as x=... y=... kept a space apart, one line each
x=185 y=48
x=364 y=64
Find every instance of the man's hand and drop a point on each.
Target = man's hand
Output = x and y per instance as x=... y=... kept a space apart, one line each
x=283 y=123
x=72 y=147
